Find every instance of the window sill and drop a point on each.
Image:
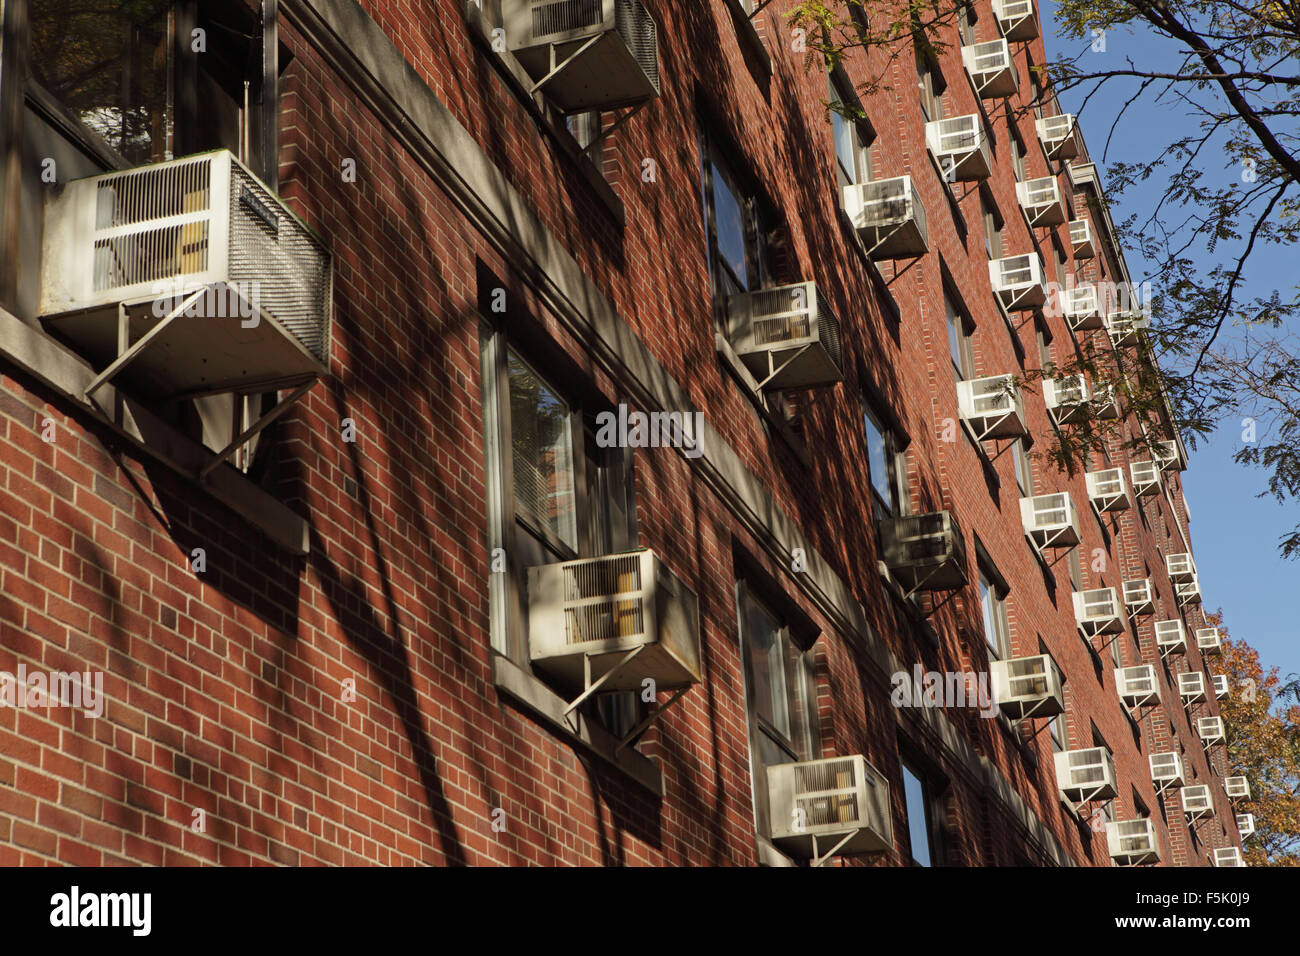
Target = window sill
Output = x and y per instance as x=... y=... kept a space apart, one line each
x=530 y=694
x=551 y=122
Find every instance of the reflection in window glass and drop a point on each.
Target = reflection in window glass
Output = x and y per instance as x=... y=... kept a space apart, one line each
x=542 y=453
x=108 y=62
x=771 y=700
x=878 y=461
x=729 y=223
x=918 y=823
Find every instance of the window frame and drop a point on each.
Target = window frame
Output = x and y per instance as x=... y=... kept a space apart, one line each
x=858 y=129
x=893 y=448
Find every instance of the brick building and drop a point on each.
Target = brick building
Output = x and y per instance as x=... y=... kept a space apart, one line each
x=299 y=553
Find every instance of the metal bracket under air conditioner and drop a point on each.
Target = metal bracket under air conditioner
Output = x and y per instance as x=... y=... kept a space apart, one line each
x=591 y=687
x=820 y=860
x=774 y=372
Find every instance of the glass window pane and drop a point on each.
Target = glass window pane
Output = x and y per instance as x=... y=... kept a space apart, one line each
x=918 y=822
x=878 y=460
x=542 y=452
x=845 y=148
x=988 y=608
x=729 y=224
x=767 y=668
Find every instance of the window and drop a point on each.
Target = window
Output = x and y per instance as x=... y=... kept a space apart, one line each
x=922 y=816
x=960 y=349
x=966 y=23
x=997 y=632
x=1020 y=459
x=736 y=247
x=779 y=696
x=930 y=87
x=1060 y=733
x=1018 y=151
x=992 y=226
x=1043 y=340
x=128 y=72
x=852 y=134
x=1076 y=571
x=585 y=129
x=886 y=465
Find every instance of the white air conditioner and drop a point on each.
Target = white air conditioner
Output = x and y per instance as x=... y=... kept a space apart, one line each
x=1138 y=686
x=1081 y=306
x=1222 y=688
x=1057 y=136
x=1081 y=239
x=1139 y=596
x=1098 y=612
x=588 y=615
x=1181 y=567
x=1125 y=328
x=1066 y=397
x=1170 y=637
x=992 y=406
x=991 y=68
x=1208 y=640
x=960 y=147
x=1228 y=856
x=1017 y=19
x=1166 y=770
x=888 y=217
x=1238 y=787
x=1105 y=406
x=1041 y=201
x=1191 y=687
x=788 y=337
x=1197 y=801
x=585 y=54
x=1170 y=456
x=1086 y=775
x=1050 y=521
x=1107 y=489
x=1028 y=686
x=1188 y=592
x=1210 y=730
x=223 y=288
x=1018 y=282
x=1146 y=478
x=835 y=805
x=924 y=552
x=1245 y=824
x=1133 y=842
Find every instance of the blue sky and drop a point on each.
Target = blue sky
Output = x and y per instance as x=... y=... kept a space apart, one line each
x=1234 y=533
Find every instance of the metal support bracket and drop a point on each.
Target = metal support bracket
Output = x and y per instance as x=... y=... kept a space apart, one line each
x=639 y=729
x=280 y=408
x=608 y=131
x=593 y=687
x=818 y=860
x=130 y=355
x=558 y=68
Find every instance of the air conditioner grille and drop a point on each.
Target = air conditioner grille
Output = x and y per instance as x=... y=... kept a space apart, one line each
x=637 y=28
x=826 y=793
x=151 y=255
x=565 y=16
x=153 y=193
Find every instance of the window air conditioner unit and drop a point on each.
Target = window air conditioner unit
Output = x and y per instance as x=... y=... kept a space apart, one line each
x=1081 y=239
x=221 y=288
x=1191 y=687
x=1238 y=788
x=1170 y=637
x=1138 y=686
x=1041 y=201
x=991 y=68
x=1050 y=520
x=1017 y=19
x=1028 y=686
x=1081 y=306
x=992 y=406
x=888 y=217
x=1210 y=730
x=1057 y=136
x=1125 y=328
x=1067 y=398
x=1170 y=456
x=788 y=337
x=1181 y=567
x=925 y=552
x=1146 y=478
x=1167 y=770
x=1188 y=592
x=1086 y=775
x=1228 y=856
x=1133 y=842
x=1208 y=641
x=837 y=805
x=1108 y=490
x=1018 y=282
x=1245 y=824
x=1098 y=612
x=1197 y=802
x=1104 y=404
x=960 y=147
x=585 y=54
x=1139 y=596
x=601 y=610
x=1221 y=686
